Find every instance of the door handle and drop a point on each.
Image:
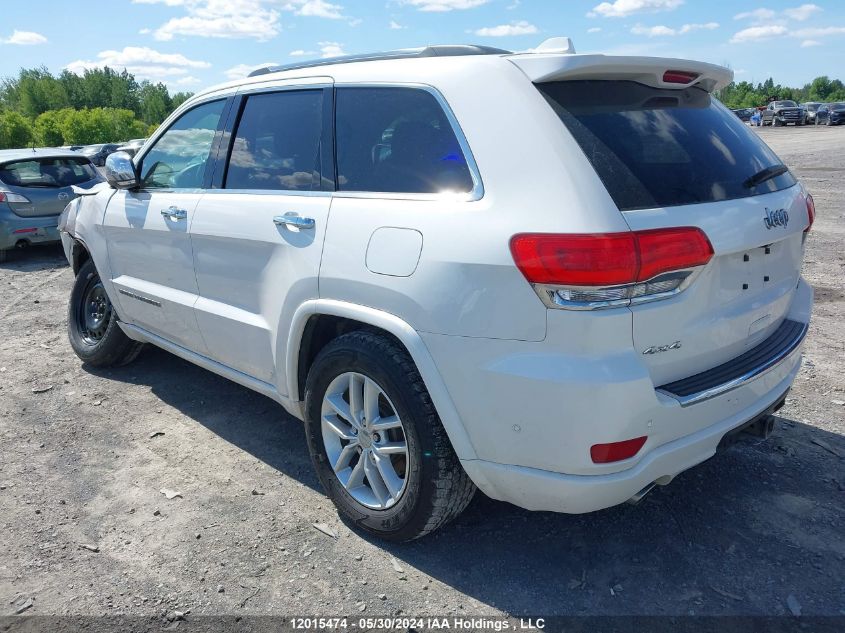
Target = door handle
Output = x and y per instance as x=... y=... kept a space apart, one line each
x=294 y=220
x=174 y=213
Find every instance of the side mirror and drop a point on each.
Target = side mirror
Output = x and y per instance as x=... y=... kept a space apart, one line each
x=120 y=171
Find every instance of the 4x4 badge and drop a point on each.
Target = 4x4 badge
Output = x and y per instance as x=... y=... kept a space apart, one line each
x=662 y=348
x=776 y=218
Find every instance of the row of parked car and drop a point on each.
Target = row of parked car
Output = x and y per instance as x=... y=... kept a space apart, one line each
x=99 y=152
x=784 y=112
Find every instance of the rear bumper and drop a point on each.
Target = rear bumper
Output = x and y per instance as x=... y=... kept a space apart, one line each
x=532 y=410
x=535 y=489
x=14 y=228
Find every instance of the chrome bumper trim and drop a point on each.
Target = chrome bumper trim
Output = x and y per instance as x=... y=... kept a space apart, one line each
x=735 y=373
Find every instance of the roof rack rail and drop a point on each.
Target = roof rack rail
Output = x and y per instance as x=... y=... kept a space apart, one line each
x=449 y=50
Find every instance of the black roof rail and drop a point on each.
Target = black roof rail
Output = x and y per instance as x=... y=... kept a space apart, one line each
x=448 y=50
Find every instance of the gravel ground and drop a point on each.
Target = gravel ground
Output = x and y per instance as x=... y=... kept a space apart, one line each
x=87 y=454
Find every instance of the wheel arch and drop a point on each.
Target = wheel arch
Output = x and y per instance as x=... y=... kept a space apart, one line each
x=319 y=321
x=79 y=254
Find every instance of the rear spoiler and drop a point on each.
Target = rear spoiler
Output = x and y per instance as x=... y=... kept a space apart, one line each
x=651 y=71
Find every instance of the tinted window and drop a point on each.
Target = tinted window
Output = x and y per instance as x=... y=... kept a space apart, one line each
x=277 y=142
x=396 y=140
x=178 y=158
x=48 y=172
x=661 y=148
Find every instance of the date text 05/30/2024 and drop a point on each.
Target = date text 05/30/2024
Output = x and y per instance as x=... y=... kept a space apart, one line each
x=424 y=623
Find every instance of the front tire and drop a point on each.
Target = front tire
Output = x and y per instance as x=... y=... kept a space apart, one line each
x=92 y=323
x=376 y=441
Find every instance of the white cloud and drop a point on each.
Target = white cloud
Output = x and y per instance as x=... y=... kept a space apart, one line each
x=809 y=43
x=665 y=31
x=144 y=63
x=756 y=33
x=331 y=49
x=395 y=26
x=625 y=8
x=24 y=38
x=315 y=8
x=756 y=14
x=504 y=30
x=302 y=53
x=822 y=31
x=652 y=31
x=514 y=5
x=595 y=29
x=242 y=70
x=190 y=80
x=803 y=12
x=444 y=5
x=169 y=3
x=220 y=19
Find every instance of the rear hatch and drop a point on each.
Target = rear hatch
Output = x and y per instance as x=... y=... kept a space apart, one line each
x=42 y=186
x=670 y=155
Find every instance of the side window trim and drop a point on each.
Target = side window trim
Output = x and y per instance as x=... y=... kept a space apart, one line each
x=224 y=148
x=210 y=163
x=213 y=167
x=326 y=148
x=477 y=192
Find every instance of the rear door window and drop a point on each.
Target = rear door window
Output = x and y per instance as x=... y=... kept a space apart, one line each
x=277 y=142
x=397 y=140
x=48 y=172
x=661 y=148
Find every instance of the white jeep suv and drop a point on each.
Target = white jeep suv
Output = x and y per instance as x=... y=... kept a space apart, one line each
x=559 y=278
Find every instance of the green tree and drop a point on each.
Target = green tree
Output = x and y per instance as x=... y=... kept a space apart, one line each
x=154 y=102
x=15 y=130
x=47 y=129
x=179 y=98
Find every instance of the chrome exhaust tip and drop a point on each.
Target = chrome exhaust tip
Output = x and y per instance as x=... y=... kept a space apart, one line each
x=634 y=500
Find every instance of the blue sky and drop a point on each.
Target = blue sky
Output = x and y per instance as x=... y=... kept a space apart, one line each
x=190 y=44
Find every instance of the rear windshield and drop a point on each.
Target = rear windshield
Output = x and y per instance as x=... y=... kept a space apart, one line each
x=662 y=148
x=48 y=172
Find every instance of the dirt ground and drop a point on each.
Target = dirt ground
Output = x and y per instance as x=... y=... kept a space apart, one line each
x=85 y=528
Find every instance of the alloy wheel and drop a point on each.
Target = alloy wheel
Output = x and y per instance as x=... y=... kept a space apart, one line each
x=365 y=441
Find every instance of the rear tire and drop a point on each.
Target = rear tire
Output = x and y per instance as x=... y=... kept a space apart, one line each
x=418 y=488
x=92 y=323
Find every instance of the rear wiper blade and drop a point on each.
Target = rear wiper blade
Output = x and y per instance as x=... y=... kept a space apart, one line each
x=765 y=174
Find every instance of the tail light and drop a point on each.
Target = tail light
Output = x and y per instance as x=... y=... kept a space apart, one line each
x=616 y=451
x=7 y=196
x=811 y=212
x=589 y=271
x=679 y=77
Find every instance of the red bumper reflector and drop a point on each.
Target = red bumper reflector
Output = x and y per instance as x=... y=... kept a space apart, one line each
x=33 y=230
x=616 y=451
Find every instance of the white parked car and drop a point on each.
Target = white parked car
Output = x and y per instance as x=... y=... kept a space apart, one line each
x=559 y=278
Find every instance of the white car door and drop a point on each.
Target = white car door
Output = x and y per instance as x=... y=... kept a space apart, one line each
x=258 y=233
x=147 y=229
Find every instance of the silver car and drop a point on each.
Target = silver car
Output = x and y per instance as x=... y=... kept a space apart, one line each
x=35 y=186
